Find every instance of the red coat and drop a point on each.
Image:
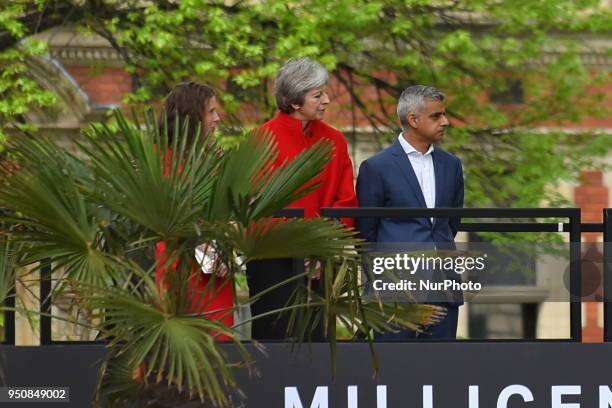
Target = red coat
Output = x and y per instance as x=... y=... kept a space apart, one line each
x=216 y=299
x=337 y=188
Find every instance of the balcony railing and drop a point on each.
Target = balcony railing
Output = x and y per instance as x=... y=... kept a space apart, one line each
x=573 y=227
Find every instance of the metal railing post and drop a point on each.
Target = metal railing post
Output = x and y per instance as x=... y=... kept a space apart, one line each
x=607 y=273
x=575 y=276
x=574 y=227
x=45 y=304
x=9 y=319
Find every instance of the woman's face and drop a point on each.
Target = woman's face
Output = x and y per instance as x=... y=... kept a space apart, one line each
x=210 y=117
x=315 y=103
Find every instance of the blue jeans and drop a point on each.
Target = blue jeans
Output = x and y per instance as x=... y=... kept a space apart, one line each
x=446 y=329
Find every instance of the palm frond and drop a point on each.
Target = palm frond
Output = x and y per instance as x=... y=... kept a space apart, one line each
x=292 y=181
x=162 y=190
x=341 y=301
x=254 y=186
x=178 y=349
x=234 y=184
x=51 y=217
x=293 y=238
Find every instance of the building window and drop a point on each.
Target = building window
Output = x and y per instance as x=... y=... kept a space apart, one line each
x=503 y=321
x=516 y=320
x=512 y=94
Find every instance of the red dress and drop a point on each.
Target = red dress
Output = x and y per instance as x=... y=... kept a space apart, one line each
x=337 y=188
x=216 y=297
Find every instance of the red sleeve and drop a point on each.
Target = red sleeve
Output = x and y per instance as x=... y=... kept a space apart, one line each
x=161 y=269
x=345 y=196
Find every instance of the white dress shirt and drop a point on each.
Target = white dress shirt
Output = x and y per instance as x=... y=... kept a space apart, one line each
x=423 y=167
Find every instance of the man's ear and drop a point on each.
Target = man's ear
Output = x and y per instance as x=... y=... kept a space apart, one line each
x=413 y=121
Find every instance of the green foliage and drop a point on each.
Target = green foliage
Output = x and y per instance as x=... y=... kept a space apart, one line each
x=19 y=92
x=467 y=48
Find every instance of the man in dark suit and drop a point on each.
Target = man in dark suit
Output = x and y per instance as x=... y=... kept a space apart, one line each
x=415 y=172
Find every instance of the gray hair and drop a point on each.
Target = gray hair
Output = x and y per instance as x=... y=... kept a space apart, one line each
x=296 y=78
x=412 y=100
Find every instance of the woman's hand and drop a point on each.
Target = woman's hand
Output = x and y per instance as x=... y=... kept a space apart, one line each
x=317 y=272
x=221 y=269
x=209 y=262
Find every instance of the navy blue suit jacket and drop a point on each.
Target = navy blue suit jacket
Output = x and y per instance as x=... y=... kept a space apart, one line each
x=388 y=180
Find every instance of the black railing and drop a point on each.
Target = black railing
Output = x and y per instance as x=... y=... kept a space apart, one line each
x=46 y=280
x=607 y=275
x=574 y=227
x=46 y=288
x=9 y=319
x=290 y=213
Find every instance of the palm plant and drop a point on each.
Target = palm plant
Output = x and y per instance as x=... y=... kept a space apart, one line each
x=94 y=213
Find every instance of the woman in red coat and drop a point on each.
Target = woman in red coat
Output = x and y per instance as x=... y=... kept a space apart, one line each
x=196 y=103
x=301 y=97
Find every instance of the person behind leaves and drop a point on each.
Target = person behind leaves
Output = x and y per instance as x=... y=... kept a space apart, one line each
x=301 y=96
x=196 y=104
